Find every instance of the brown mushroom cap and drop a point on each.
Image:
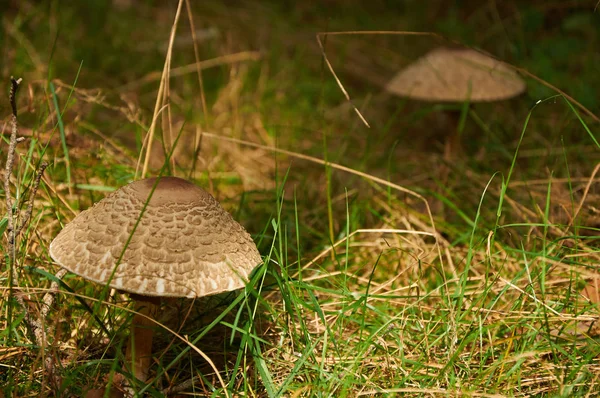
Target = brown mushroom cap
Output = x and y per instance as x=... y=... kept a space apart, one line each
x=185 y=245
x=456 y=75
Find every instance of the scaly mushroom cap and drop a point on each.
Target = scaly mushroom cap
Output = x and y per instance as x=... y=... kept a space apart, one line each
x=185 y=244
x=456 y=75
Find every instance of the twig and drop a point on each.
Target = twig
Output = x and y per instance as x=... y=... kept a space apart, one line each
x=10 y=160
x=35 y=325
x=181 y=387
x=36 y=184
x=48 y=299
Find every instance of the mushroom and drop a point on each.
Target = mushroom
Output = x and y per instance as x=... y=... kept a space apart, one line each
x=152 y=239
x=456 y=75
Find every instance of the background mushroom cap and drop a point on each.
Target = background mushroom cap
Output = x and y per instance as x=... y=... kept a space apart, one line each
x=456 y=75
x=185 y=245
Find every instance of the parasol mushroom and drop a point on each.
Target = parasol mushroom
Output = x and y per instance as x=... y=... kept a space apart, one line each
x=182 y=244
x=456 y=75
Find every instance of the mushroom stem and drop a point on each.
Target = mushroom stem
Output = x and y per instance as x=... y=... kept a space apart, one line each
x=452 y=145
x=139 y=349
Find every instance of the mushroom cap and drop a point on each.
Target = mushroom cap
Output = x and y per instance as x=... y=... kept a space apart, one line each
x=185 y=244
x=456 y=75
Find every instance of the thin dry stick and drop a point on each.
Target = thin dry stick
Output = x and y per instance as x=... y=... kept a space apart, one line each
x=48 y=298
x=32 y=193
x=10 y=160
x=10 y=210
x=182 y=386
x=335 y=76
x=159 y=96
x=16 y=226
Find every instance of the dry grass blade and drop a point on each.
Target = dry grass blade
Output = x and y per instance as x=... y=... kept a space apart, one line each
x=362 y=231
x=162 y=89
x=335 y=166
x=198 y=66
x=331 y=69
x=585 y=193
x=429 y=391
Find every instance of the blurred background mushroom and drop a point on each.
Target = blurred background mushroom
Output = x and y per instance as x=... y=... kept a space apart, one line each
x=157 y=238
x=456 y=75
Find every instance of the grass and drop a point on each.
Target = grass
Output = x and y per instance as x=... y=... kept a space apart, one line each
x=363 y=293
